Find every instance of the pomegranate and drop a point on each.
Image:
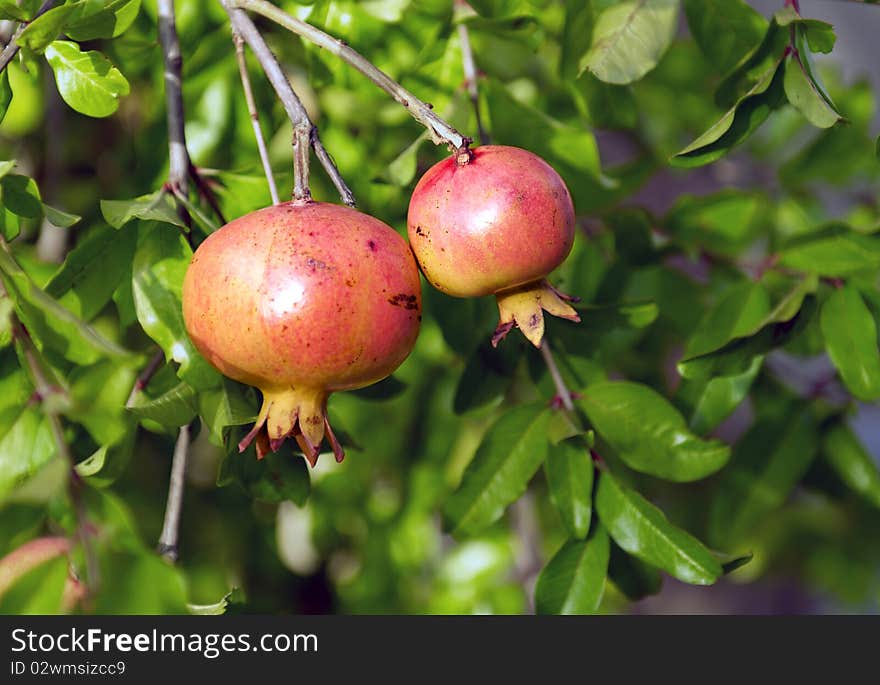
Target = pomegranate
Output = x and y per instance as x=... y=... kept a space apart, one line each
x=495 y=220
x=302 y=299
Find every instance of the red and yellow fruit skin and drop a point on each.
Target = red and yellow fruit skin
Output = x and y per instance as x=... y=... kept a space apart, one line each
x=496 y=224
x=301 y=300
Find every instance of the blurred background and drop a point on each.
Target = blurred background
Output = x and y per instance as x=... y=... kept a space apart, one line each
x=369 y=537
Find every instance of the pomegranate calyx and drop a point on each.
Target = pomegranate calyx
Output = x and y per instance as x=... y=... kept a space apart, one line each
x=524 y=307
x=298 y=413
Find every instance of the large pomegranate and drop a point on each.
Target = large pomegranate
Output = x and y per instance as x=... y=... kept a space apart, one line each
x=495 y=220
x=300 y=300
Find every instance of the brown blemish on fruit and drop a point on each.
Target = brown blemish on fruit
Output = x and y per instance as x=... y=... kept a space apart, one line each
x=315 y=264
x=372 y=245
x=405 y=301
x=420 y=232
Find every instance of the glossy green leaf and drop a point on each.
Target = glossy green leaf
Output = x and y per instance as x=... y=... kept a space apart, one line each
x=738 y=123
x=223 y=407
x=87 y=81
x=110 y=21
x=835 y=254
x=641 y=529
x=10 y=9
x=5 y=94
x=20 y=195
x=59 y=218
x=851 y=340
x=573 y=581
x=767 y=464
x=158 y=206
x=713 y=400
x=510 y=454
x=782 y=323
x=629 y=38
x=106 y=464
x=742 y=310
x=92 y=271
x=52 y=326
x=722 y=222
x=173 y=408
x=44 y=29
x=820 y=35
x=569 y=471
x=851 y=461
x=648 y=433
x=160 y=264
x=98 y=393
x=725 y=30
x=806 y=95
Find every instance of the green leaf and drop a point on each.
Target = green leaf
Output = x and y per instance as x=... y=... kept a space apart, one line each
x=20 y=195
x=277 y=477
x=648 y=433
x=59 y=218
x=93 y=270
x=820 y=35
x=487 y=375
x=160 y=264
x=174 y=408
x=5 y=93
x=849 y=459
x=9 y=9
x=781 y=324
x=768 y=462
x=739 y=313
x=723 y=222
x=833 y=253
x=52 y=326
x=851 y=340
x=87 y=81
x=632 y=576
x=573 y=582
x=26 y=445
x=38 y=34
x=223 y=407
x=139 y=582
x=713 y=400
x=158 y=206
x=738 y=123
x=510 y=454
x=753 y=68
x=641 y=529
x=629 y=38
x=98 y=393
x=386 y=389
x=109 y=22
x=108 y=462
x=806 y=95
x=569 y=470
x=725 y=30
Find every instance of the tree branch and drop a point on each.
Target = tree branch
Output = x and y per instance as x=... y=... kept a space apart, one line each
x=144 y=377
x=470 y=75
x=11 y=48
x=179 y=162
x=305 y=132
x=439 y=130
x=562 y=390
x=252 y=111
x=168 y=540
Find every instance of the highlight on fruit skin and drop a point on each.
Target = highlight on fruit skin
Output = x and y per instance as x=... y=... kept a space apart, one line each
x=302 y=299
x=495 y=220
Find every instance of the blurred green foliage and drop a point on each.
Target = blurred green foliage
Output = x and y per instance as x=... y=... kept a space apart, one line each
x=729 y=334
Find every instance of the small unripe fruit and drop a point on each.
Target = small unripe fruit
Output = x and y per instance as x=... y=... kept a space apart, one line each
x=495 y=221
x=302 y=299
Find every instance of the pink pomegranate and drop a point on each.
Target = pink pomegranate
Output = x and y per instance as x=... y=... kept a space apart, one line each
x=496 y=220
x=301 y=300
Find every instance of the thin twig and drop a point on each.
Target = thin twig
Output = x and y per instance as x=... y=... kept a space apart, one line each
x=252 y=111
x=204 y=189
x=43 y=389
x=304 y=130
x=470 y=75
x=561 y=389
x=178 y=155
x=143 y=379
x=439 y=130
x=11 y=49
x=168 y=540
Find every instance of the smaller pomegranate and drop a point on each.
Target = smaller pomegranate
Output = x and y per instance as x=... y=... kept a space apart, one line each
x=495 y=220
x=302 y=299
